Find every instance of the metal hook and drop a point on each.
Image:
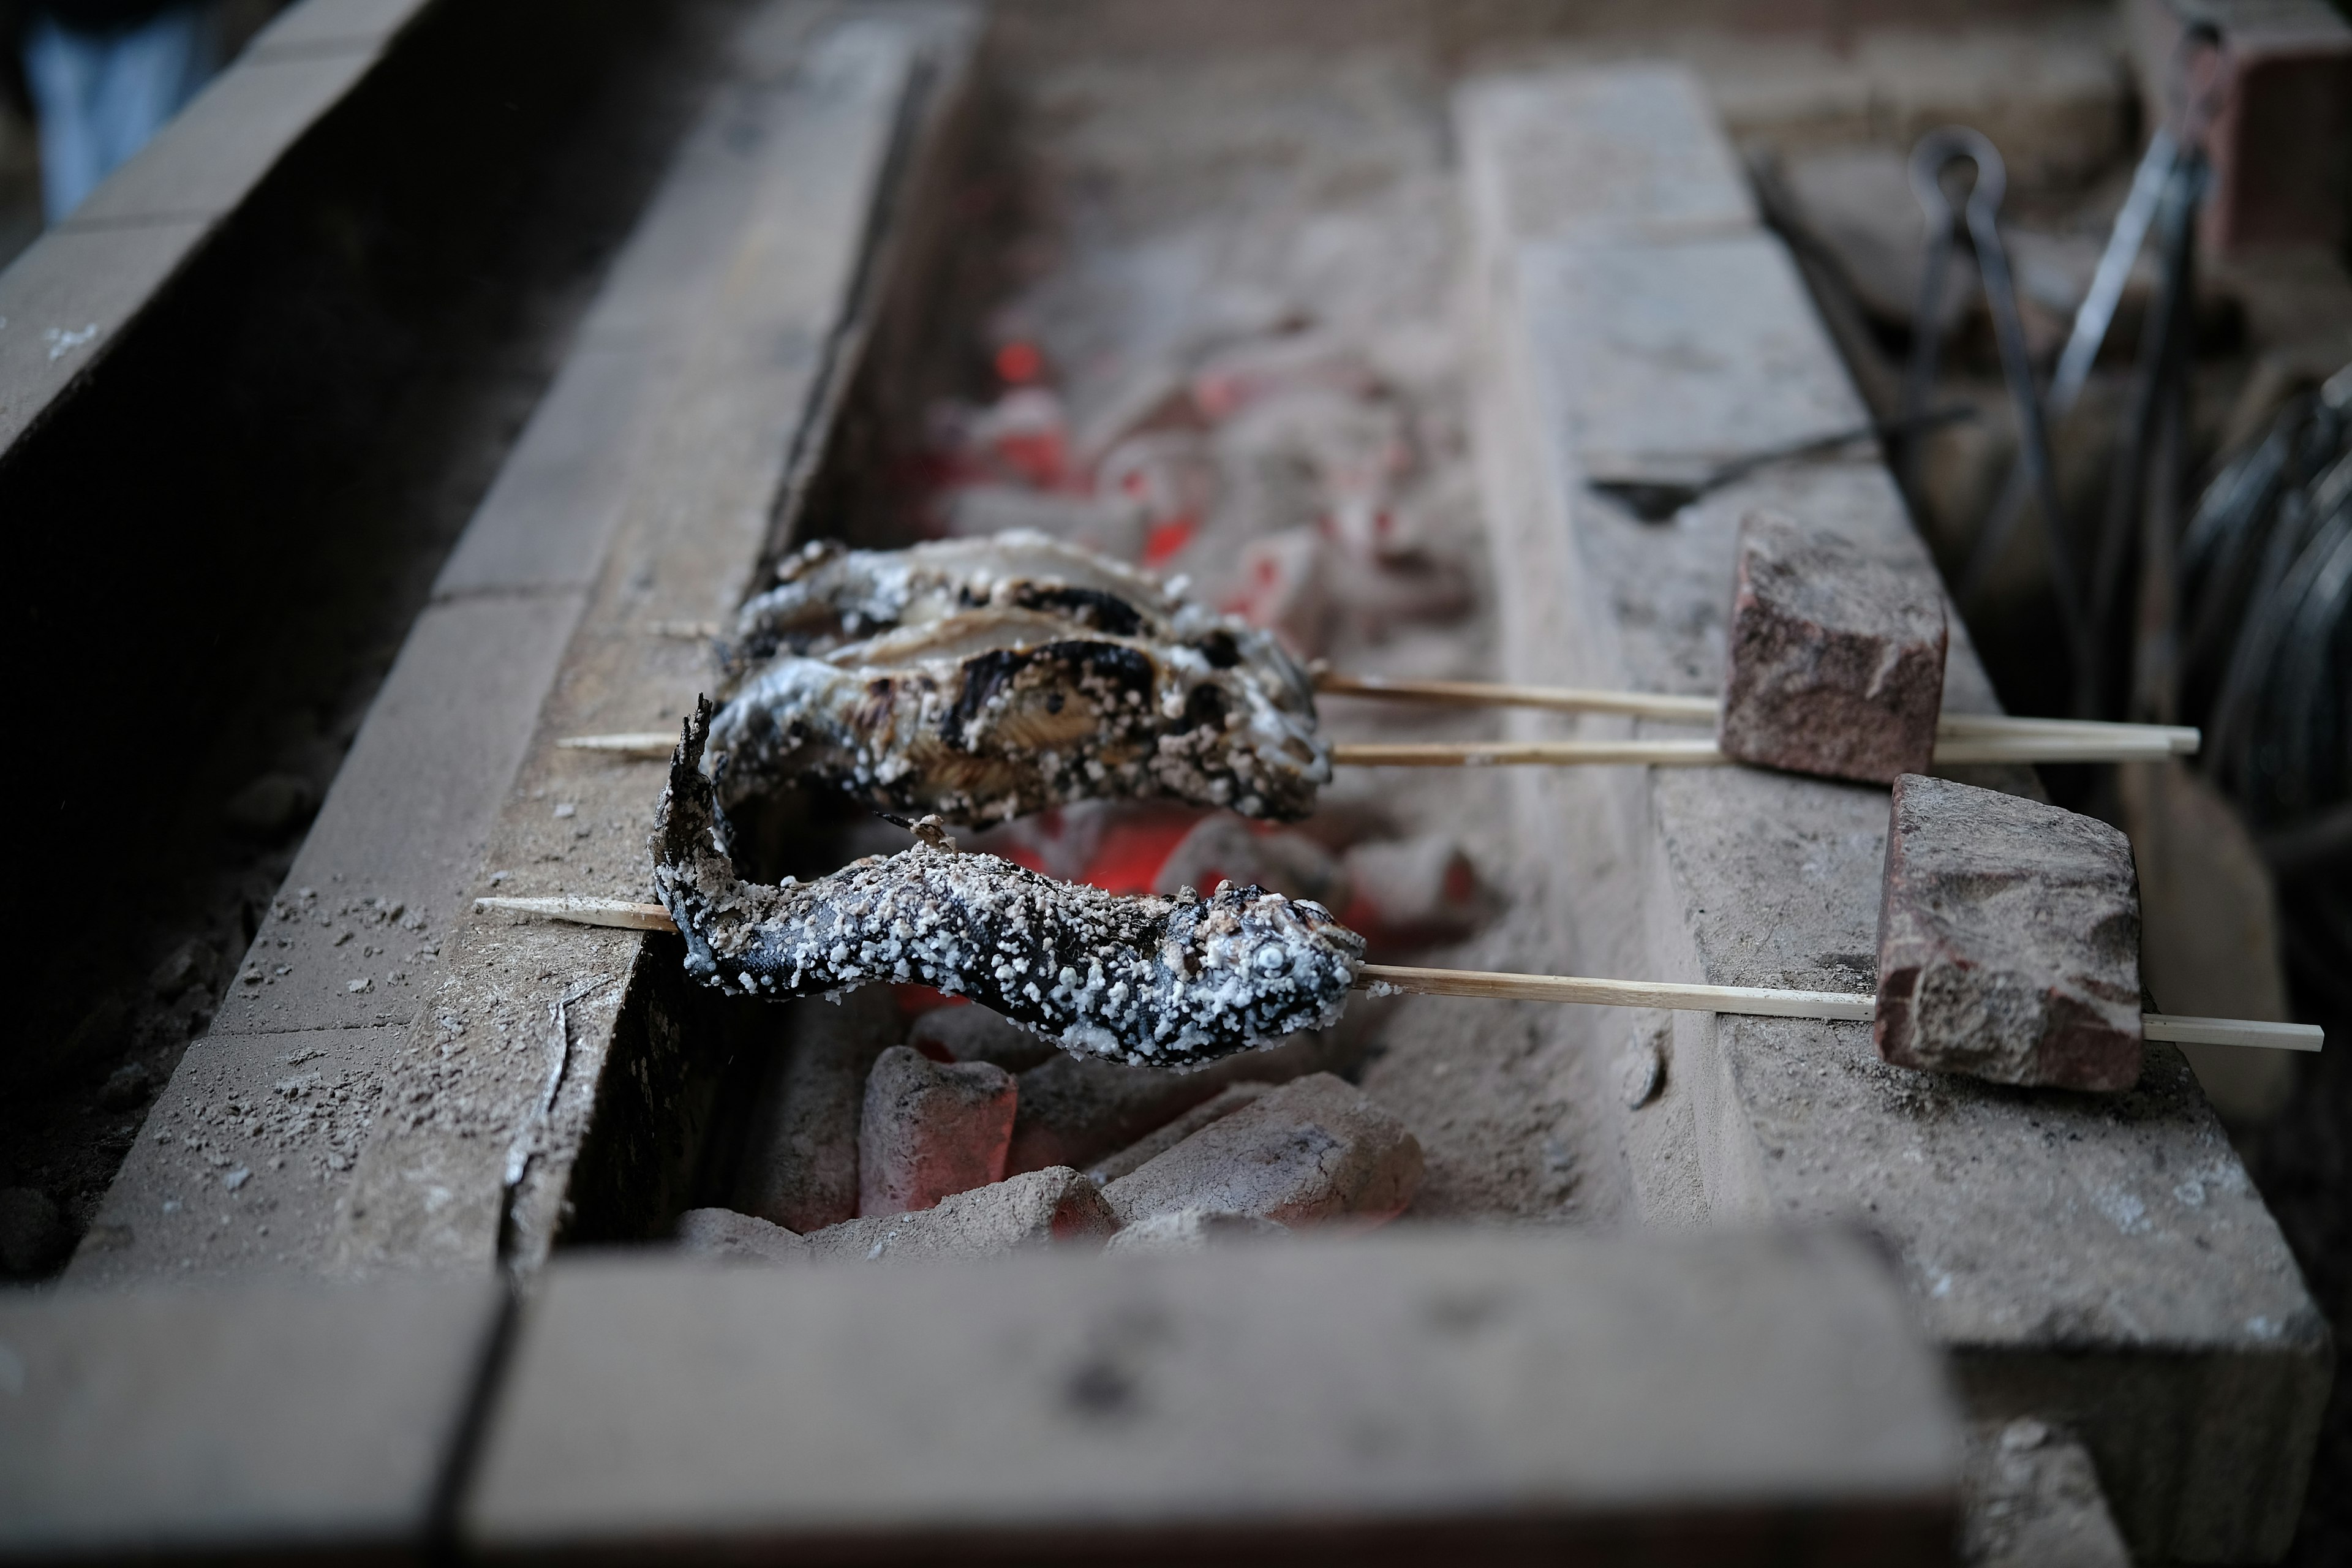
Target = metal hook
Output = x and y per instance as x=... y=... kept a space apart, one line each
x=1936 y=152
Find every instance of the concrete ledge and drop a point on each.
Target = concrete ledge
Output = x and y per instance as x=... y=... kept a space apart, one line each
x=66 y=299
x=2100 y=1261
x=268 y=1418
x=1733 y=1399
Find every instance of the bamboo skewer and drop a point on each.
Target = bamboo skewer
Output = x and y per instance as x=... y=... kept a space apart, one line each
x=2063 y=746
x=1389 y=979
x=2176 y=739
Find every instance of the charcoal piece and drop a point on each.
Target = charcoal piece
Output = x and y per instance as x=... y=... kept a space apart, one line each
x=723 y=1236
x=2007 y=941
x=1146 y=981
x=974 y=1033
x=1021 y=1213
x=930 y=1131
x=1075 y=1111
x=1151 y=1145
x=1192 y=1230
x=800 y=1168
x=1315 y=1151
x=1836 y=660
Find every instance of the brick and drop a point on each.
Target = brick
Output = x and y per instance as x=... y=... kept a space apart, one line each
x=928 y=1131
x=1315 y=1151
x=972 y=1034
x=1035 y=1209
x=1144 y=1150
x=723 y=1236
x=1836 y=660
x=1075 y=1111
x=1437 y=1396
x=2007 y=941
x=271 y=1418
x=801 y=1170
x=1190 y=1230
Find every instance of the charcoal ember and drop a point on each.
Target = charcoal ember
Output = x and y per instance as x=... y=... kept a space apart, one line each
x=1236 y=378
x=723 y=1236
x=1021 y=1213
x=1075 y=1111
x=1146 y=981
x=1836 y=660
x=1024 y=436
x=1225 y=849
x=1422 y=889
x=974 y=1033
x=1150 y=1147
x=1281 y=585
x=33 y=1235
x=800 y=1168
x=930 y=1131
x=1168 y=473
x=1192 y=1230
x=2007 y=941
x=1315 y=1151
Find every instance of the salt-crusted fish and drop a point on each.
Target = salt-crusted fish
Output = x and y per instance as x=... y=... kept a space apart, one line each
x=983 y=715
x=826 y=595
x=1170 y=983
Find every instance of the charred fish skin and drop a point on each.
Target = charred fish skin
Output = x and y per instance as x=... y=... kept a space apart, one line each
x=827 y=596
x=985 y=715
x=1151 y=982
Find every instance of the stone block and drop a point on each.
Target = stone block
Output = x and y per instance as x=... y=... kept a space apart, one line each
x=929 y=1131
x=1433 y=1396
x=723 y=1236
x=1190 y=1230
x=1315 y=1151
x=2007 y=941
x=1035 y=1209
x=968 y=1033
x=268 y=1419
x=1836 y=660
x=801 y=1170
x=1144 y=1150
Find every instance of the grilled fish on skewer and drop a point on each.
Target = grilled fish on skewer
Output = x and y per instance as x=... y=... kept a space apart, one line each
x=983 y=715
x=826 y=596
x=1173 y=983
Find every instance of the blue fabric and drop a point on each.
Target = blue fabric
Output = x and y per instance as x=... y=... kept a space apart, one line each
x=101 y=95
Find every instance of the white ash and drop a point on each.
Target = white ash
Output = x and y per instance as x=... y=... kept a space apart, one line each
x=1038 y=694
x=1170 y=982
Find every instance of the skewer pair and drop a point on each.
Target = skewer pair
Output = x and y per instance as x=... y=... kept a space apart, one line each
x=1394 y=979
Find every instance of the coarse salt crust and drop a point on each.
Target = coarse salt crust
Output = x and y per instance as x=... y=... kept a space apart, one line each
x=1157 y=981
x=986 y=679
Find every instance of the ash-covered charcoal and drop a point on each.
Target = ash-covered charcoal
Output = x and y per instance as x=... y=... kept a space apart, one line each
x=827 y=596
x=983 y=715
x=1147 y=981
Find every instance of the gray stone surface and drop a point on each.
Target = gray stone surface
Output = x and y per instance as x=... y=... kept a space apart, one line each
x=1439 y=1397
x=2103 y=1263
x=1021 y=1213
x=931 y=1130
x=1190 y=1230
x=723 y=1236
x=1317 y=1150
x=1150 y=1147
x=1836 y=661
x=268 y=1418
x=2007 y=941
x=974 y=1033
x=801 y=1169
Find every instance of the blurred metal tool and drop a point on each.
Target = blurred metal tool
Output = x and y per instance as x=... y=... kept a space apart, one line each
x=2092 y=319
x=1657 y=500
x=1936 y=152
